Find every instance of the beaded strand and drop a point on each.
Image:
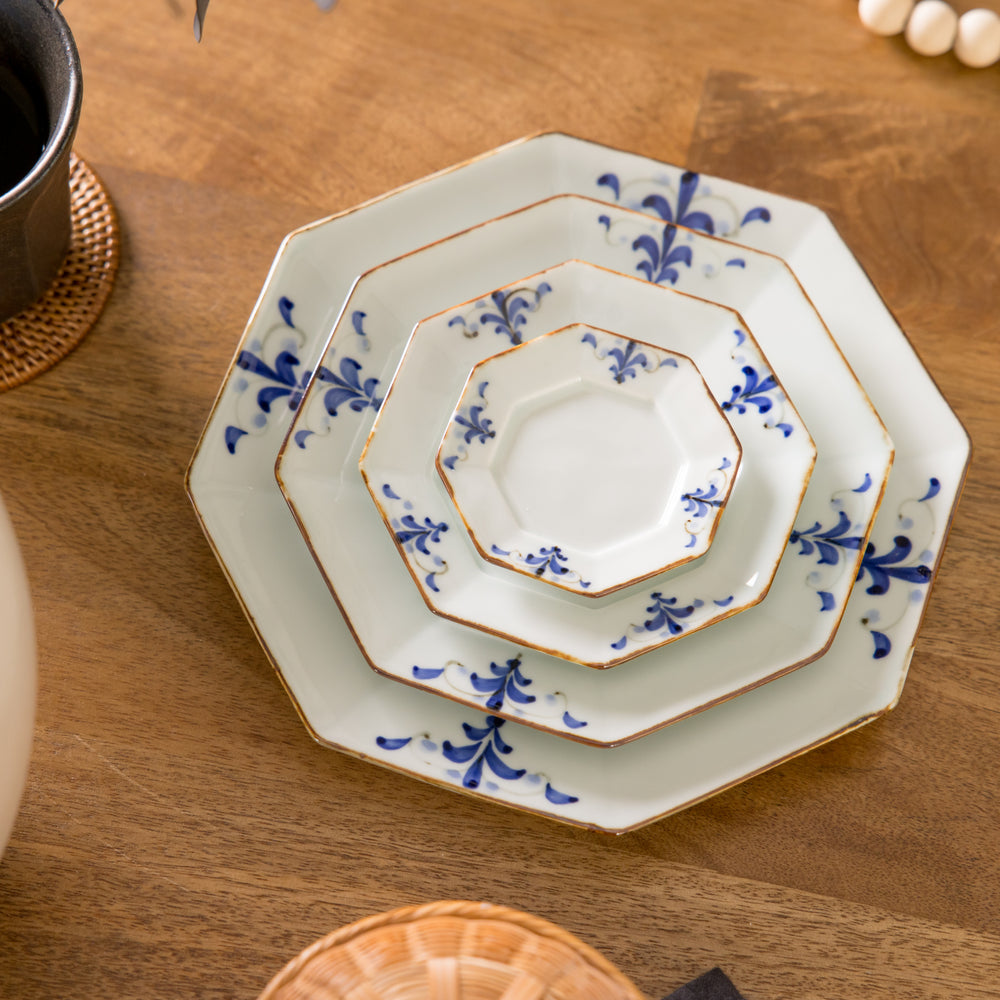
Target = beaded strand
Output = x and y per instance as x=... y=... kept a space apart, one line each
x=931 y=28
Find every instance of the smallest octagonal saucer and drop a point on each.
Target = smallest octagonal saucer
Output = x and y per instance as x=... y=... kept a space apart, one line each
x=588 y=460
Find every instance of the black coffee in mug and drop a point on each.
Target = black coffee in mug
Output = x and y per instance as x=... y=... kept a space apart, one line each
x=23 y=128
x=40 y=95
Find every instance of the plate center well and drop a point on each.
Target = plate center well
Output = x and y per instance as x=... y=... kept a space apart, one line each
x=587 y=465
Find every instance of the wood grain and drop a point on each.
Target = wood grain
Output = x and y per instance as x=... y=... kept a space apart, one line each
x=181 y=834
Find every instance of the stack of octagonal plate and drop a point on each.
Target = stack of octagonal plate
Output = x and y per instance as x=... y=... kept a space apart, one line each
x=578 y=482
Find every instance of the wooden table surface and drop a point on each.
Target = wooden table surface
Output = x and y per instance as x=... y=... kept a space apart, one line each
x=181 y=834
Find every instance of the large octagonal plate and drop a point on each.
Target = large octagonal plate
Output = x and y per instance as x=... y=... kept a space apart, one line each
x=346 y=706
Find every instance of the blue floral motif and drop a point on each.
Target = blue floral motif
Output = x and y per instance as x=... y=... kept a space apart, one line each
x=667 y=616
x=893 y=565
x=476 y=425
x=506 y=312
x=662 y=256
x=699 y=502
x=507 y=681
x=415 y=537
x=549 y=559
x=347 y=387
x=829 y=543
x=682 y=214
x=281 y=380
x=628 y=359
x=477 y=428
x=481 y=758
x=886 y=568
x=624 y=361
x=412 y=532
x=756 y=391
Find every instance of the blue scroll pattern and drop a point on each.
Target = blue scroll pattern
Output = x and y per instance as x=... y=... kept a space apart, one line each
x=479 y=760
x=502 y=687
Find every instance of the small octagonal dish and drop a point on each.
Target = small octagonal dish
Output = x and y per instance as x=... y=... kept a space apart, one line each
x=604 y=459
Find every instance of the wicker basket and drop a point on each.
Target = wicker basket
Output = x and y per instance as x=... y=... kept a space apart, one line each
x=453 y=950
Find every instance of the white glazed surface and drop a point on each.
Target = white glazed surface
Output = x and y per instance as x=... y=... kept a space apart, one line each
x=452 y=579
x=17 y=678
x=587 y=460
x=347 y=706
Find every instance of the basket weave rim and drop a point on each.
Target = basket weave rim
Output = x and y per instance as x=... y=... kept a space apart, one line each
x=462 y=909
x=45 y=332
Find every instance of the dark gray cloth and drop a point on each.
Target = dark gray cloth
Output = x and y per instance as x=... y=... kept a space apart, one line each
x=712 y=985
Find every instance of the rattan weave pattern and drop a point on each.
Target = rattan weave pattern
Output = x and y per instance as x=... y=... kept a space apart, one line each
x=37 y=337
x=450 y=950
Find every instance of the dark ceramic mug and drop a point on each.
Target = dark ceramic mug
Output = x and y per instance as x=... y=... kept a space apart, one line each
x=40 y=93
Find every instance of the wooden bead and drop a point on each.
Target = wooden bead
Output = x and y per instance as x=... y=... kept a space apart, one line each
x=931 y=29
x=885 y=17
x=977 y=43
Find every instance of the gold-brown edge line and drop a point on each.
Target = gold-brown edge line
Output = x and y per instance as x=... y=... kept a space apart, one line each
x=946 y=530
x=401 y=678
x=508 y=715
x=960 y=489
x=788 y=198
x=862 y=720
x=523 y=140
x=516 y=640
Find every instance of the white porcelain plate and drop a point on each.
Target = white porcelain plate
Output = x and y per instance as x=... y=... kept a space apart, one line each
x=587 y=460
x=349 y=707
x=421 y=520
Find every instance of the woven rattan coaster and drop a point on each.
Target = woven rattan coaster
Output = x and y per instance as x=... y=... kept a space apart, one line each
x=451 y=950
x=36 y=338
